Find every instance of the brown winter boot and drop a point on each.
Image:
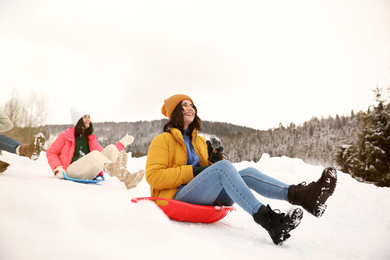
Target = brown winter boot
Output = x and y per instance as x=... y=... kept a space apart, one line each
x=312 y=197
x=3 y=166
x=34 y=149
x=118 y=169
x=131 y=180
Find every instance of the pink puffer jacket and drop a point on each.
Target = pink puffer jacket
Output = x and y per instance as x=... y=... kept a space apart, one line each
x=60 y=152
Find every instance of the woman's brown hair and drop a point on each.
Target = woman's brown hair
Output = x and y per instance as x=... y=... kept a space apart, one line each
x=80 y=130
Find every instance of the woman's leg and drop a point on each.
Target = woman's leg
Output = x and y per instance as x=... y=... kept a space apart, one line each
x=259 y=182
x=205 y=188
x=8 y=144
x=118 y=167
x=223 y=178
x=110 y=152
x=87 y=167
x=311 y=197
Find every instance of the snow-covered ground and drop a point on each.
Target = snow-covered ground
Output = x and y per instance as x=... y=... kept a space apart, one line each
x=42 y=217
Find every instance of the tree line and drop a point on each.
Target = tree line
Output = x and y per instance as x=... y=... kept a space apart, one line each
x=315 y=141
x=357 y=144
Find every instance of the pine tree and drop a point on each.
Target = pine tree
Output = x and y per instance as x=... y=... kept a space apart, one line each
x=369 y=156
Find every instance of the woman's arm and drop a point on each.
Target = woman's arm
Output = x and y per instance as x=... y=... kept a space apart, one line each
x=54 y=151
x=160 y=173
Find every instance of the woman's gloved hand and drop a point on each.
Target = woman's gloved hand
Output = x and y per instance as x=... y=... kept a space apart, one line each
x=126 y=140
x=214 y=149
x=58 y=172
x=197 y=170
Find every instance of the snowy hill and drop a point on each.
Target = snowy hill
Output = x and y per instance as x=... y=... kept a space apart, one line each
x=42 y=217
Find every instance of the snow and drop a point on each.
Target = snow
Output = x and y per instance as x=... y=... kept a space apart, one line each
x=42 y=217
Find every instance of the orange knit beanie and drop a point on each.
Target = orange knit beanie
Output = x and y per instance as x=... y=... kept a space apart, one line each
x=171 y=103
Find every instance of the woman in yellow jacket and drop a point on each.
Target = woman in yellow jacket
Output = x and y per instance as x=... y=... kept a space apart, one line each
x=177 y=167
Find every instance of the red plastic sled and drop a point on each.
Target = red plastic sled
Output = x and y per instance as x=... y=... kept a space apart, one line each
x=182 y=211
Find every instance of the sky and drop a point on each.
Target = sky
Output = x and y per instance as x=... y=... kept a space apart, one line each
x=250 y=63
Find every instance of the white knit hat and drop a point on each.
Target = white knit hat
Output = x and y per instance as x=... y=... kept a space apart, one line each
x=76 y=114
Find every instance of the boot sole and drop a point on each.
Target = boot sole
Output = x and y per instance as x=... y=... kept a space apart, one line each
x=121 y=161
x=132 y=180
x=295 y=218
x=38 y=145
x=118 y=168
x=329 y=178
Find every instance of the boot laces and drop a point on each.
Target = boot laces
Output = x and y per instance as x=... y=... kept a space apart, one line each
x=304 y=185
x=275 y=215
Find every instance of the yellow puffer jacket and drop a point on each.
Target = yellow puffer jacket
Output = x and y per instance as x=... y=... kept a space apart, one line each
x=166 y=168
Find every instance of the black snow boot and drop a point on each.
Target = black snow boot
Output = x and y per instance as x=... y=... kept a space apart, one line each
x=278 y=225
x=313 y=196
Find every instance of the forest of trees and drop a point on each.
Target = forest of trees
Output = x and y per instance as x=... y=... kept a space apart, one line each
x=315 y=141
x=358 y=144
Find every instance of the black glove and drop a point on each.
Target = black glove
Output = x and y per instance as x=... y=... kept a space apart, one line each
x=214 y=149
x=197 y=170
x=215 y=142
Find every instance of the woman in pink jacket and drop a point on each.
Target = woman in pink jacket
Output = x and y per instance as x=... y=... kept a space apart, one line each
x=77 y=153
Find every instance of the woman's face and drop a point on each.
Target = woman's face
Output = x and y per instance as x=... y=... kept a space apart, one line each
x=87 y=121
x=188 y=112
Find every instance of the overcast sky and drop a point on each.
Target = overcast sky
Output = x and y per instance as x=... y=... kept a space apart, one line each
x=251 y=63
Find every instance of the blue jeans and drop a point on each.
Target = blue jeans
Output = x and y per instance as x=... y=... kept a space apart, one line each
x=8 y=144
x=221 y=184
